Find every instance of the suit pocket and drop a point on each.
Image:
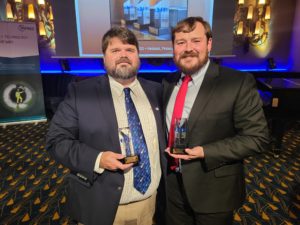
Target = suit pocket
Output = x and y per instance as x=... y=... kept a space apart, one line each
x=79 y=179
x=229 y=170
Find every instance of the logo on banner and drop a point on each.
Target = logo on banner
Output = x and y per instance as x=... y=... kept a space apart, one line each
x=23 y=28
x=18 y=96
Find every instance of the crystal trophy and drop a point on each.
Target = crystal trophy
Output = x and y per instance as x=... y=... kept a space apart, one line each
x=126 y=144
x=180 y=136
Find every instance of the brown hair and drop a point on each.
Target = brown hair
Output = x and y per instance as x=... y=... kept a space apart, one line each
x=124 y=34
x=188 y=24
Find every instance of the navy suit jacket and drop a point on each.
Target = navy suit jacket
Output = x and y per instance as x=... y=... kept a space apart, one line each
x=227 y=119
x=84 y=125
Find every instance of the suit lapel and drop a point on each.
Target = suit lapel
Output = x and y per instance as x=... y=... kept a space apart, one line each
x=206 y=90
x=107 y=107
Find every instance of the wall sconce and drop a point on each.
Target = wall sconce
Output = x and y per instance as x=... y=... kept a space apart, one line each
x=42 y=31
x=251 y=21
x=38 y=11
x=31 y=14
x=50 y=13
x=41 y=2
x=9 y=13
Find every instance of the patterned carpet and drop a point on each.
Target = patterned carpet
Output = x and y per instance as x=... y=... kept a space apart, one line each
x=273 y=186
x=32 y=189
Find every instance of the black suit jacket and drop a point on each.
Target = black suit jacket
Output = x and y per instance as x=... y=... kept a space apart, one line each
x=84 y=125
x=227 y=119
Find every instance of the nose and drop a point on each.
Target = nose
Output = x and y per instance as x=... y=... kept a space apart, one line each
x=188 y=46
x=123 y=53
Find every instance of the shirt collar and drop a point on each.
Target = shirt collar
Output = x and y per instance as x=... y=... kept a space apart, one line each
x=118 y=88
x=198 y=75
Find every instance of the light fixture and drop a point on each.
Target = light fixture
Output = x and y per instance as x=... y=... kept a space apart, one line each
x=42 y=30
x=41 y=2
x=50 y=13
x=268 y=13
x=240 y=28
x=251 y=21
x=250 y=12
x=31 y=14
x=257 y=27
x=9 y=13
x=38 y=11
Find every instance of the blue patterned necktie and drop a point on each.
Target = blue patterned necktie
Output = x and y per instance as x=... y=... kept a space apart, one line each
x=141 y=172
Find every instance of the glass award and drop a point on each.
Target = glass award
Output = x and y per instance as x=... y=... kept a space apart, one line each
x=180 y=136
x=126 y=144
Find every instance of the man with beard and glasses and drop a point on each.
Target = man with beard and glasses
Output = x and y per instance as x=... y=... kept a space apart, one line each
x=225 y=122
x=102 y=120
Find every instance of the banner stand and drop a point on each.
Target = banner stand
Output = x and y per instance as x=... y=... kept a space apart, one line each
x=31 y=120
x=21 y=90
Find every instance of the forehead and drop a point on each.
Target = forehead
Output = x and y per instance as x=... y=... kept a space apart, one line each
x=198 y=31
x=117 y=42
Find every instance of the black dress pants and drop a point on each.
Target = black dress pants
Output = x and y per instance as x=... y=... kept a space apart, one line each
x=179 y=211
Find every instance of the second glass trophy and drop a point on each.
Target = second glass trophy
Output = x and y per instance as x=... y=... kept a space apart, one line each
x=180 y=136
x=126 y=144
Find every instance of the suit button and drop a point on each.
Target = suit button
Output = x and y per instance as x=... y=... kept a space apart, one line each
x=119 y=188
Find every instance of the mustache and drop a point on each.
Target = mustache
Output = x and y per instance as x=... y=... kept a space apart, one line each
x=123 y=60
x=189 y=54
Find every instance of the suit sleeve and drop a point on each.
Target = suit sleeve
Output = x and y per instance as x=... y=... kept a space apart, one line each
x=62 y=140
x=251 y=130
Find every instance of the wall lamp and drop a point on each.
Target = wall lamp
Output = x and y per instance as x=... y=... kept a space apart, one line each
x=251 y=21
x=38 y=11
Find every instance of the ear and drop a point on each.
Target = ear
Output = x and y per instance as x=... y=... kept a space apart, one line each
x=209 y=44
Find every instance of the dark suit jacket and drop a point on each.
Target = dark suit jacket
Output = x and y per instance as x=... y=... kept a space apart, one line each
x=85 y=124
x=228 y=121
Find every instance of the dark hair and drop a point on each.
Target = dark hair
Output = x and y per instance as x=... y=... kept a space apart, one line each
x=124 y=34
x=189 y=24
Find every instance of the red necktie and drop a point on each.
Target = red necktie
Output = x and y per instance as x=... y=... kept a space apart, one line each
x=177 y=113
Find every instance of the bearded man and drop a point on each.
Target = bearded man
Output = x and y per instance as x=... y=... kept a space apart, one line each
x=101 y=122
x=225 y=121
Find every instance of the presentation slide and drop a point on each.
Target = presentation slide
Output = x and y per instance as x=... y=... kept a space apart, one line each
x=150 y=20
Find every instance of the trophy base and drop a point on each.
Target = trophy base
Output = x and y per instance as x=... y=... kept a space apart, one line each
x=178 y=150
x=130 y=159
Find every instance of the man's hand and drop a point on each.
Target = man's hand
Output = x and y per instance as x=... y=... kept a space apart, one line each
x=110 y=161
x=192 y=153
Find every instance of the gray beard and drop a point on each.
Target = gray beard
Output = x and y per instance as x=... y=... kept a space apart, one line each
x=123 y=73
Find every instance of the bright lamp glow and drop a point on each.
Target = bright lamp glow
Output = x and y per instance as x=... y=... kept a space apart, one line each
x=9 y=14
x=31 y=14
x=41 y=2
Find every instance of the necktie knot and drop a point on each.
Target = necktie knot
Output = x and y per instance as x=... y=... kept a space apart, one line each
x=187 y=78
x=126 y=91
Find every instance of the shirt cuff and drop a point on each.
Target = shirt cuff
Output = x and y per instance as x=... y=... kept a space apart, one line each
x=97 y=168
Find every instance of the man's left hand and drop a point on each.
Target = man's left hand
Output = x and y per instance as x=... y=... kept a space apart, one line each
x=192 y=153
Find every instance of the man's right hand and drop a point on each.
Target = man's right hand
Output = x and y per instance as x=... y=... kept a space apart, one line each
x=110 y=161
